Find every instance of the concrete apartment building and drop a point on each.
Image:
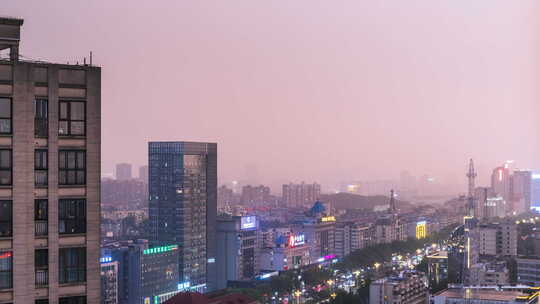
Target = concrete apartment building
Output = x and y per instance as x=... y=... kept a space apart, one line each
x=49 y=178
x=528 y=270
x=498 y=239
x=408 y=288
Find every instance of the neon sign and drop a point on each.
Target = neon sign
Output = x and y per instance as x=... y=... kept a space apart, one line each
x=160 y=249
x=5 y=255
x=106 y=259
x=296 y=240
x=328 y=219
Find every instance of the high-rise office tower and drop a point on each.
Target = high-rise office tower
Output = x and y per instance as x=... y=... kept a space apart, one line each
x=183 y=206
x=521 y=191
x=50 y=129
x=535 y=191
x=123 y=171
x=501 y=182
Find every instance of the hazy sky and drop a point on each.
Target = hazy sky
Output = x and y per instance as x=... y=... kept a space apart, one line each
x=308 y=90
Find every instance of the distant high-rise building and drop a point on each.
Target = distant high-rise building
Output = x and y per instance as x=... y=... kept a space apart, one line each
x=183 y=206
x=521 y=191
x=295 y=195
x=535 y=191
x=501 y=182
x=255 y=195
x=143 y=174
x=50 y=159
x=123 y=171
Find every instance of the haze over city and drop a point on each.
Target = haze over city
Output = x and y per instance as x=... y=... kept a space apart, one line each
x=303 y=90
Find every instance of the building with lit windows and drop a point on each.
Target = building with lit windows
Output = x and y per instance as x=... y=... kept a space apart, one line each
x=319 y=229
x=183 y=206
x=50 y=126
x=407 y=288
x=290 y=251
x=437 y=268
x=109 y=281
x=237 y=238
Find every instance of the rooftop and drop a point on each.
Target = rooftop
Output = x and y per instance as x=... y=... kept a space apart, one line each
x=482 y=294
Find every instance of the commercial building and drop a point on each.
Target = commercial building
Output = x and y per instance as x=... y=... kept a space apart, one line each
x=124 y=172
x=483 y=296
x=297 y=195
x=290 y=251
x=143 y=274
x=50 y=126
x=408 y=288
x=109 y=281
x=319 y=230
x=183 y=206
x=437 y=268
x=238 y=241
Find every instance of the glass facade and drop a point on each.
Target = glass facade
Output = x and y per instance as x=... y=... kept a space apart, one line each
x=182 y=207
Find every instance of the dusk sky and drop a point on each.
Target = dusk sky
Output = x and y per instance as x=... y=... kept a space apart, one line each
x=309 y=90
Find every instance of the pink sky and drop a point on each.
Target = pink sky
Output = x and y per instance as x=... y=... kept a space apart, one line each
x=308 y=90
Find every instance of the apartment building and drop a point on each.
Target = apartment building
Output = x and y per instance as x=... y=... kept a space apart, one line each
x=50 y=133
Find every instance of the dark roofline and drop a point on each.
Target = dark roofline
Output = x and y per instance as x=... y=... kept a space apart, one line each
x=11 y=21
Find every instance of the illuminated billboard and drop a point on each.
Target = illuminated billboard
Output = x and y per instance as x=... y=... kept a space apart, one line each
x=421 y=230
x=248 y=222
x=296 y=240
x=328 y=219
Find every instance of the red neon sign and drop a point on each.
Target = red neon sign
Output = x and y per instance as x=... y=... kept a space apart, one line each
x=5 y=255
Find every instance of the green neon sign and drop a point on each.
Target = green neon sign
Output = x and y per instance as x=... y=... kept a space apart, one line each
x=160 y=249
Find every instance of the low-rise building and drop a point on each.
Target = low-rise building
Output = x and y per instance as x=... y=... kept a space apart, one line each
x=408 y=288
x=483 y=296
x=494 y=273
x=528 y=270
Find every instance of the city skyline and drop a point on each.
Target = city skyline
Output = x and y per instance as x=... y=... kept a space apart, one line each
x=370 y=78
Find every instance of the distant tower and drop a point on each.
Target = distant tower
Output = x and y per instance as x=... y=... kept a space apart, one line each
x=392 y=208
x=471 y=175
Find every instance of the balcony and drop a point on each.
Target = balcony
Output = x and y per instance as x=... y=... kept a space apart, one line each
x=42 y=228
x=42 y=277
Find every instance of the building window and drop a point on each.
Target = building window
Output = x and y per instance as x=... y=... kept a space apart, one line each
x=42 y=301
x=72 y=265
x=41 y=217
x=73 y=300
x=71 y=216
x=41 y=166
x=5 y=167
x=6 y=219
x=72 y=119
x=6 y=269
x=42 y=267
x=72 y=167
x=41 y=117
x=5 y=115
